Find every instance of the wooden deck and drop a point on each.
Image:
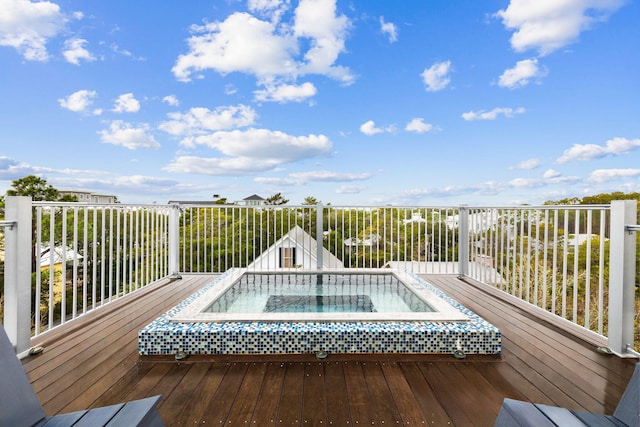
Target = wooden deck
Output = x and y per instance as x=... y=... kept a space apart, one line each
x=94 y=361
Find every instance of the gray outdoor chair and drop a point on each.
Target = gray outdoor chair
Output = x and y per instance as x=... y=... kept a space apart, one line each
x=19 y=405
x=517 y=413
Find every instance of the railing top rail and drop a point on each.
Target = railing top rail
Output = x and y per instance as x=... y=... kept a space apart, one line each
x=371 y=207
x=205 y=204
x=100 y=205
x=9 y=224
x=545 y=207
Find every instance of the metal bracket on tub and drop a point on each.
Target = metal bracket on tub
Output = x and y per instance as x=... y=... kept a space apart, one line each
x=8 y=224
x=631 y=228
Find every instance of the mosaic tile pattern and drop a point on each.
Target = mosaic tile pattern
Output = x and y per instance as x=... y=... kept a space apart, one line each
x=476 y=336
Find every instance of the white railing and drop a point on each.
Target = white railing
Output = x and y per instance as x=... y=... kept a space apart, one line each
x=216 y=238
x=86 y=256
x=574 y=262
x=553 y=257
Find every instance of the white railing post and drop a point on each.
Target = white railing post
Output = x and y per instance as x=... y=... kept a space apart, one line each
x=463 y=241
x=17 y=279
x=174 y=240
x=622 y=270
x=319 y=235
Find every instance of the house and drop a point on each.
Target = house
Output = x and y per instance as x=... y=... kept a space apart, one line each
x=55 y=260
x=479 y=222
x=416 y=217
x=296 y=249
x=253 y=200
x=89 y=197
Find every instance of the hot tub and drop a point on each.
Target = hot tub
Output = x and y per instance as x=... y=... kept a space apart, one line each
x=361 y=311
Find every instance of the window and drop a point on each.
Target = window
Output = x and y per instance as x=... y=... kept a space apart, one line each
x=287 y=258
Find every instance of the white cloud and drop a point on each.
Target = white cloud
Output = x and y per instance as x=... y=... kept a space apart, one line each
x=548 y=25
x=11 y=169
x=302 y=178
x=527 y=164
x=418 y=125
x=270 y=50
x=316 y=22
x=125 y=135
x=27 y=26
x=79 y=101
x=266 y=144
x=233 y=166
x=615 y=146
x=278 y=182
x=124 y=52
x=369 y=128
x=437 y=77
x=493 y=114
x=604 y=175
x=328 y=176
x=489 y=187
x=270 y=8
x=550 y=173
x=241 y=43
x=126 y=103
x=200 y=121
x=74 y=51
x=171 y=100
x=350 y=189
x=522 y=74
x=250 y=151
x=286 y=93
x=389 y=29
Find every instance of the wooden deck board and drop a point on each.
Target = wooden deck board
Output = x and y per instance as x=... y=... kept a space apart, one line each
x=93 y=361
x=336 y=394
x=380 y=394
x=431 y=408
x=361 y=408
x=313 y=399
x=225 y=395
x=196 y=407
x=243 y=407
x=403 y=397
x=266 y=409
x=290 y=407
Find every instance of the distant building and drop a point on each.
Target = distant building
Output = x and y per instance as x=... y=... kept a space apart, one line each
x=88 y=196
x=415 y=217
x=253 y=200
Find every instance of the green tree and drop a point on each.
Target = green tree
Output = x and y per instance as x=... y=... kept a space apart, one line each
x=276 y=199
x=68 y=198
x=309 y=200
x=33 y=186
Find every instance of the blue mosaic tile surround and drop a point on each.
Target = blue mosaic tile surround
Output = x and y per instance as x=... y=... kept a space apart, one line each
x=476 y=336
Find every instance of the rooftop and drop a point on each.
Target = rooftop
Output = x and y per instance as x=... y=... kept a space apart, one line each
x=93 y=361
x=557 y=303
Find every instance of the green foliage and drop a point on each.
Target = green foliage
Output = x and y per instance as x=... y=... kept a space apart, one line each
x=37 y=188
x=276 y=199
x=68 y=198
x=598 y=199
x=310 y=201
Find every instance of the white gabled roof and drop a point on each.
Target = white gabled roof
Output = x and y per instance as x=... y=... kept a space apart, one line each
x=297 y=237
x=58 y=255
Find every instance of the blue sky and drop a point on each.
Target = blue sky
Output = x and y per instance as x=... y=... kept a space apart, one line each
x=357 y=102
